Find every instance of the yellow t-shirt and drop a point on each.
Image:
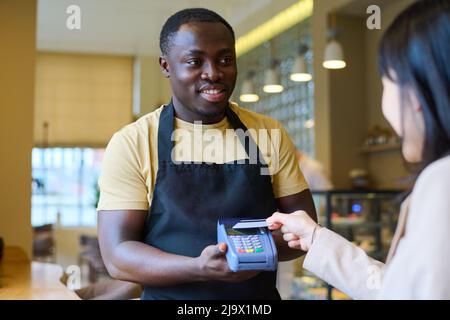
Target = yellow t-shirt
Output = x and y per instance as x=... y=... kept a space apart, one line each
x=130 y=161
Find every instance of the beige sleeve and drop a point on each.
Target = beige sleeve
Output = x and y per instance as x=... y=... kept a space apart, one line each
x=288 y=178
x=420 y=267
x=345 y=266
x=122 y=184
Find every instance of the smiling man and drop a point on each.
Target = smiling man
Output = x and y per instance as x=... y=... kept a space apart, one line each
x=158 y=209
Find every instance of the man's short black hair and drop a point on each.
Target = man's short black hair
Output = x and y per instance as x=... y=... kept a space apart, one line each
x=174 y=23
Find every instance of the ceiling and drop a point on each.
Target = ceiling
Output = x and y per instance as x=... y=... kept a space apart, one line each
x=128 y=27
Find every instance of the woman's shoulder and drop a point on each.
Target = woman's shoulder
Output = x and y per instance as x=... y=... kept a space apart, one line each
x=436 y=174
x=430 y=199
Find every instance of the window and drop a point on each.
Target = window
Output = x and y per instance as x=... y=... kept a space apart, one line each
x=64 y=186
x=294 y=107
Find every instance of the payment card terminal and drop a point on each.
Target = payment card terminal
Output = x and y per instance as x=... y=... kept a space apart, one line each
x=250 y=244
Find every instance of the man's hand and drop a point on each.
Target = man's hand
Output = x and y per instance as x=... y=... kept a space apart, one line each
x=213 y=266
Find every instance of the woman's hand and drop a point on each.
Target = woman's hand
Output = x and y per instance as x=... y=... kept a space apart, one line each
x=297 y=228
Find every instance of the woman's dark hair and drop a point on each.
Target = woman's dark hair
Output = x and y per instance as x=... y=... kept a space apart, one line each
x=415 y=54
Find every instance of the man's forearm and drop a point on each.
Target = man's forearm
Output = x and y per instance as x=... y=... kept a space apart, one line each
x=137 y=262
x=299 y=201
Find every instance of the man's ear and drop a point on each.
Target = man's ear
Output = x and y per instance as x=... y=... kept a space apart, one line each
x=164 y=65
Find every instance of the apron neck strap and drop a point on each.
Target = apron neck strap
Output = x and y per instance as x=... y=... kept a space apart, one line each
x=166 y=128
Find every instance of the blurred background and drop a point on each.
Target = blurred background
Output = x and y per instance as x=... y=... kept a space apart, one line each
x=65 y=90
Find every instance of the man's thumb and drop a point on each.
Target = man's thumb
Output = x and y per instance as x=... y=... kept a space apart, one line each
x=221 y=249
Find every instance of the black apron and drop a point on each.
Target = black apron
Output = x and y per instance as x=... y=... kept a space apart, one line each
x=189 y=198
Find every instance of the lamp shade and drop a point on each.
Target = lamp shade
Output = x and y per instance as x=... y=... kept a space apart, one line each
x=272 y=81
x=299 y=71
x=334 y=56
x=247 y=92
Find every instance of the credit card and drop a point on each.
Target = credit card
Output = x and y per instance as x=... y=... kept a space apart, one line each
x=251 y=223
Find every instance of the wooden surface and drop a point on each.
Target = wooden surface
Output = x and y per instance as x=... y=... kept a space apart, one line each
x=21 y=279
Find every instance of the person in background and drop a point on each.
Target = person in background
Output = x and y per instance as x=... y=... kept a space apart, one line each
x=415 y=69
x=314 y=173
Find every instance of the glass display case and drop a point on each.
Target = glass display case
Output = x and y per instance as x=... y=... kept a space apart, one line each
x=367 y=218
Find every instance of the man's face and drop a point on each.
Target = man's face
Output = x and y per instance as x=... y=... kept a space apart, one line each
x=201 y=66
